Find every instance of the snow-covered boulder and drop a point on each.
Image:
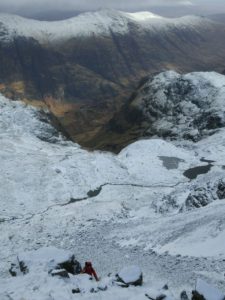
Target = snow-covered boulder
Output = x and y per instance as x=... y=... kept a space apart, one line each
x=47 y=259
x=83 y=283
x=207 y=291
x=161 y=294
x=131 y=275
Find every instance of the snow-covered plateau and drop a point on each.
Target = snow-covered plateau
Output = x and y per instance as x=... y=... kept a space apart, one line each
x=157 y=204
x=102 y=23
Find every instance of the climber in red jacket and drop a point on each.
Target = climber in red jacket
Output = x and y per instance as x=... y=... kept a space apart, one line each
x=88 y=269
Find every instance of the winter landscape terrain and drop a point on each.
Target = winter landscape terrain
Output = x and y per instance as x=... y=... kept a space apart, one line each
x=84 y=69
x=102 y=22
x=158 y=204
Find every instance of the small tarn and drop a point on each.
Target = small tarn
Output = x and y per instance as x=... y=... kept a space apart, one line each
x=193 y=173
x=170 y=162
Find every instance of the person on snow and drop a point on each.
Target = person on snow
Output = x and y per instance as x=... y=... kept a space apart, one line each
x=88 y=269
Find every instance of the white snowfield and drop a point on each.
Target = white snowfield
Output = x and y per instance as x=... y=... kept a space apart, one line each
x=115 y=210
x=44 y=257
x=209 y=292
x=102 y=22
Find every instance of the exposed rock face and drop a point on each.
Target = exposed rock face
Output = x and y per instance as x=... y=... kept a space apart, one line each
x=184 y=106
x=18 y=268
x=202 y=196
x=41 y=126
x=71 y=266
x=197 y=296
x=175 y=106
x=198 y=195
x=221 y=190
x=198 y=198
x=85 y=79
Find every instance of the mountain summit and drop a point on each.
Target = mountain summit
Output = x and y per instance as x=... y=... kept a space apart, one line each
x=102 y=22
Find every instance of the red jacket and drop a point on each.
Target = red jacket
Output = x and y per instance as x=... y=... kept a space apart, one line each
x=88 y=269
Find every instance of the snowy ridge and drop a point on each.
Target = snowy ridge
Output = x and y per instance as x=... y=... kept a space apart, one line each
x=102 y=22
x=21 y=121
x=143 y=16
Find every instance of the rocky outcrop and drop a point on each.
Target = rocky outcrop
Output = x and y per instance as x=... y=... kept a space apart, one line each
x=175 y=106
x=18 y=268
x=202 y=196
x=199 y=194
x=71 y=266
x=221 y=190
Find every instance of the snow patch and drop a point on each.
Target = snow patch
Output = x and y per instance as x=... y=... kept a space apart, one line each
x=44 y=256
x=208 y=291
x=143 y=16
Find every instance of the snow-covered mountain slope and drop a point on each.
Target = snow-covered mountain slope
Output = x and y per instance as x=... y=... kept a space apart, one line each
x=74 y=172
x=95 y=61
x=110 y=209
x=187 y=106
x=102 y=22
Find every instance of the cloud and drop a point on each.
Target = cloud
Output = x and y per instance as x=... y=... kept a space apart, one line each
x=187 y=3
x=87 y=4
x=23 y=6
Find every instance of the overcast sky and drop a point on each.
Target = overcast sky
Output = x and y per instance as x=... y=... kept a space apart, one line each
x=32 y=7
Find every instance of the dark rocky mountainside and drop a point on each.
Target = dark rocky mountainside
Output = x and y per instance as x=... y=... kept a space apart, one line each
x=85 y=80
x=171 y=106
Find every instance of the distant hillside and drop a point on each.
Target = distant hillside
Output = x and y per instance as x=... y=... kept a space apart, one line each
x=85 y=68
